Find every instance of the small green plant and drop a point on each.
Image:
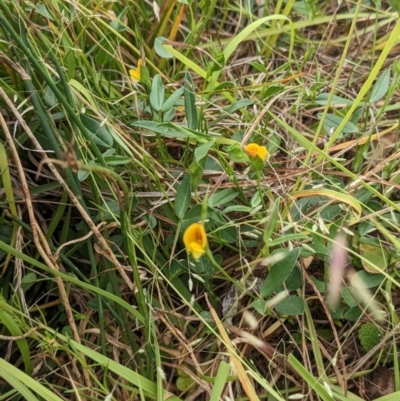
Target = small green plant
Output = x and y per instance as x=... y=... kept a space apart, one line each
x=369 y=336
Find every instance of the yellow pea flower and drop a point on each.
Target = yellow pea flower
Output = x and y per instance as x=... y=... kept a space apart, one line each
x=254 y=150
x=195 y=240
x=135 y=74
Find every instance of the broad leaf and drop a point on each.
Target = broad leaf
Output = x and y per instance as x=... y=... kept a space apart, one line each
x=190 y=103
x=381 y=86
x=182 y=199
x=279 y=273
x=291 y=305
x=157 y=93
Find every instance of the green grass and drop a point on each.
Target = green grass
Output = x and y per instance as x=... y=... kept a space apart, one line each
x=102 y=175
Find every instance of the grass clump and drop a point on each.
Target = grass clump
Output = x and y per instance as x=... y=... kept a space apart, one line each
x=199 y=200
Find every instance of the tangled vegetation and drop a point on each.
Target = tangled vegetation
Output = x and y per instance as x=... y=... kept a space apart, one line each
x=199 y=200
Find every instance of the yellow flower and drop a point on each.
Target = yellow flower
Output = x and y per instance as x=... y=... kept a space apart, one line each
x=195 y=240
x=253 y=150
x=135 y=74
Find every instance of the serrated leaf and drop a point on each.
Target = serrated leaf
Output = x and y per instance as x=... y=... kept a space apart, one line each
x=279 y=272
x=291 y=305
x=190 y=102
x=157 y=93
x=183 y=195
x=381 y=86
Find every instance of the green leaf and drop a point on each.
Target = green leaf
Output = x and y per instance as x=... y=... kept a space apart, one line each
x=222 y=197
x=333 y=121
x=49 y=97
x=98 y=133
x=381 y=86
x=272 y=218
x=160 y=49
x=171 y=130
x=201 y=151
x=312 y=381
x=353 y=313
x=293 y=282
x=369 y=280
x=256 y=200
x=228 y=234
x=225 y=85
x=291 y=305
x=172 y=100
x=374 y=256
x=321 y=286
x=28 y=281
x=183 y=195
x=237 y=208
x=271 y=91
x=242 y=35
x=240 y=104
x=157 y=93
x=259 y=305
x=42 y=10
x=322 y=100
x=83 y=174
x=12 y=326
x=279 y=272
x=259 y=67
x=194 y=215
x=22 y=382
x=329 y=212
x=350 y=296
x=237 y=154
x=117 y=160
x=220 y=381
x=190 y=103
x=184 y=381
x=288 y=237
x=196 y=173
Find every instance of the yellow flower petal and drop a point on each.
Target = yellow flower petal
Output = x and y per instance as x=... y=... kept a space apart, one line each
x=196 y=250
x=195 y=240
x=135 y=74
x=254 y=150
